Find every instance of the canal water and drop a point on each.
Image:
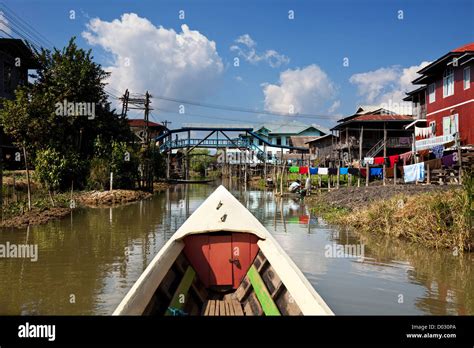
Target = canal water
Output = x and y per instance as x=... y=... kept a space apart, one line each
x=88 y=261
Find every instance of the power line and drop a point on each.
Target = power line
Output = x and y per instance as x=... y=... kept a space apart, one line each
x=241 y=109
x=33 y=43
x=27 y=27
x=203 y=116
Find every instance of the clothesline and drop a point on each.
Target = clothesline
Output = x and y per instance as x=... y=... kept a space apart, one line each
x=411 y=173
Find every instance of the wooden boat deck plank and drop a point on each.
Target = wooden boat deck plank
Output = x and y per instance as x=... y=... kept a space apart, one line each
x=227 y=307
x=222 y=310
x=237 y=308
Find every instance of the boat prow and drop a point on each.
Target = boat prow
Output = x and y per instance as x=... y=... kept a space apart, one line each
x=222 y=261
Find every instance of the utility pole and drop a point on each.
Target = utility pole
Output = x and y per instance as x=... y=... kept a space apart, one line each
x=124 y=100
x=141 y=102
x=166 y=123
x=147 y=116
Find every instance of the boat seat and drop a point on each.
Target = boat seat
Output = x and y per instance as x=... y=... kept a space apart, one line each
x=178 y=301
x=226 y=307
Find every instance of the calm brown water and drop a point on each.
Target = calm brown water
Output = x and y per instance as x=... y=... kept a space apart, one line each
x=95 y=255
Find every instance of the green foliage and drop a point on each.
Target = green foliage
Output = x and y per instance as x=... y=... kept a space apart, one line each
x=98 y=174
x=31 y=119
x=51 y=168
x=200 y=160
x=158 y=163
x=124 y=165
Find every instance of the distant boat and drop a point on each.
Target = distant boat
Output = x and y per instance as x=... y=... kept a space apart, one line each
x=222 y=261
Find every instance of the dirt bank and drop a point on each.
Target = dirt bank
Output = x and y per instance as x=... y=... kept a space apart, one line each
x=360 y=197
x=35 y=217
x=107 y=198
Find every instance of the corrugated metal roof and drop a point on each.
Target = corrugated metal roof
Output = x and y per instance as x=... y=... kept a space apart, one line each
x=383 y=117
x=301 y=141
x=291 y=127
x=136 y=122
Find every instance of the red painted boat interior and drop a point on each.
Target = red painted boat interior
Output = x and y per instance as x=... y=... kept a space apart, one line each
x=221 y=259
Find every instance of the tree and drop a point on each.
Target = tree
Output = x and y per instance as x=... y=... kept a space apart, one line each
x=200 y=160
x=34 y=118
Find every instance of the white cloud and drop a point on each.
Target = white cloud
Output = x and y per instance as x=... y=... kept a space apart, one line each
x=304 y=90
x=386 y=85
x=183 y=65
x=246 y=48
x=4 y=24
x=334 y=106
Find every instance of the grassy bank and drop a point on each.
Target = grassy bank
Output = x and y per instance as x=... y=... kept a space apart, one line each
x=436 y=218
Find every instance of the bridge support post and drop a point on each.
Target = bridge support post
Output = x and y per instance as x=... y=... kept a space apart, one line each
x=168 y=159
x=265 y=163
x=187 y=155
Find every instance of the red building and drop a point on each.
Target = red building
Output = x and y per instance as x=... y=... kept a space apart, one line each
x=138 y=127
x=446 y=98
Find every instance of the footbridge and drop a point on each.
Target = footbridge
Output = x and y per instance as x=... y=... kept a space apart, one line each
x=216 y=138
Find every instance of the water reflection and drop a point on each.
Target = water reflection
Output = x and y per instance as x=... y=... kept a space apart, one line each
x=88 y=261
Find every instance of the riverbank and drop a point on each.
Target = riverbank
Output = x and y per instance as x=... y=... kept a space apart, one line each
x=17 y=215
x=36 y=216
x=434 y=216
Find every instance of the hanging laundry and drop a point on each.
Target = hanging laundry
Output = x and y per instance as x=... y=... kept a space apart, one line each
x=434 y=164
x=322 y=171
x=313 y=171
x=423 y=153
x=303 y=170
x=414 y=172
x=376 y=172
x=379 y=160
x=354 y=171
x=406 y=157
x=450 y=160
x=368 y=160
x=424 y=132
x=344 y=171
x=332 y=171
x=363 y=172
x=355 y=164
x=438 y=151
x=294 y=169
x=393 y=159
x=389 y=172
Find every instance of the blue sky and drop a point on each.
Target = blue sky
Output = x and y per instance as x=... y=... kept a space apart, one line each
x=321 y=34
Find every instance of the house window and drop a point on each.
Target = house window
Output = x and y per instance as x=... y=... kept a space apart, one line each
x=260 y=142
x=278 y=141
x=448 y=82
x=432 y=93
x=467 y=77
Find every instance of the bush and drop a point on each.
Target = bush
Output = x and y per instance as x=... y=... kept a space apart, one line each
x=50 y=168
x=99 y=174
x=124 y=165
